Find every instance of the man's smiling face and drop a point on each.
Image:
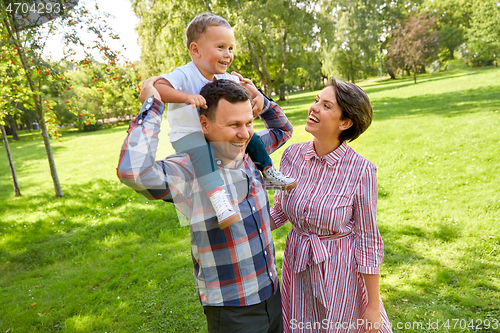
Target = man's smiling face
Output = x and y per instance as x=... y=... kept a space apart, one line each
x=231 y=130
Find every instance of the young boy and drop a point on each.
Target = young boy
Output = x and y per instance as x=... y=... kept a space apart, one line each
x=210 y=41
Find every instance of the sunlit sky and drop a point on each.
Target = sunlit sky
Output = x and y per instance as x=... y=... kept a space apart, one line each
x=123 y=24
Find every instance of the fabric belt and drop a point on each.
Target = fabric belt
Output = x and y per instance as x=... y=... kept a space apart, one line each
x=312 y=252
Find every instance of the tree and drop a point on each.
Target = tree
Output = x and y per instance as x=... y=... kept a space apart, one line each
x=268 y=34
x=483 y=37
x=17 y=191
x=453 y=20
x=24 y=35
x=105 y=90
x=414 y=44
x=273 y=36
x=352 y=49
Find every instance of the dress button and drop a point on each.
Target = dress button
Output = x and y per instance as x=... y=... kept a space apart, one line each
x=219 y=162
x=265 y=252
x=260 y=230
x=148 y=106
x=253 y=208
x=140 y=121
x=150 y=100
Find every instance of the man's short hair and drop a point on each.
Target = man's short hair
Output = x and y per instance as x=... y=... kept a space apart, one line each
x=214 y=91
x=200 y=23
x=355 y=105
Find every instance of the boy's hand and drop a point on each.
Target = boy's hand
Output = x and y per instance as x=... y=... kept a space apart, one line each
x=148 y=89
x=257 y=98
x=257 y=105
x=196 y=101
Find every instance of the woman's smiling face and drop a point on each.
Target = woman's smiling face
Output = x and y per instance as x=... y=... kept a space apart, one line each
x=324 y=120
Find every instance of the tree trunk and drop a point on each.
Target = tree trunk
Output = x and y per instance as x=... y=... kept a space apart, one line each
x=282 y=94
x=17 y=191
x=452 y=53
x=12 y=126
x=391 y=74
x=415 y=74
x=11 y=29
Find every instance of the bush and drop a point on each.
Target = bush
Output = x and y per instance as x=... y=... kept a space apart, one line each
x=435 y=67
x=91 y=127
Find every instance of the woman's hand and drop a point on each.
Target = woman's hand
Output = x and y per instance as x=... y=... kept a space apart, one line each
x=148 y=89
x=257 y=98
x=372 y=319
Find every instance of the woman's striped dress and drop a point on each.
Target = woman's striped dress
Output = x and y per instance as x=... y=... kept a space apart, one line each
x=333 y=240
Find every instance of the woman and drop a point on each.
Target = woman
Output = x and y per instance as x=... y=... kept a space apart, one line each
x=330 y=275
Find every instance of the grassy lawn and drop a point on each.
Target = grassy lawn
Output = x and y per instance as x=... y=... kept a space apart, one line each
x=105 y=259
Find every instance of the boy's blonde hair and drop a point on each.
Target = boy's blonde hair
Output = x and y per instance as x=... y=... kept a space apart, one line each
x=200 y=23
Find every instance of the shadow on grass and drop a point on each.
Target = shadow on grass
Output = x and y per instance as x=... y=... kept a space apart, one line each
x=408 y=81
x=101 y=257
x=31 y=150
x=445 y=104
x=446 y=287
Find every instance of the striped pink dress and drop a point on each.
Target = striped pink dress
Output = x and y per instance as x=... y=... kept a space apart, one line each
x=333 y=240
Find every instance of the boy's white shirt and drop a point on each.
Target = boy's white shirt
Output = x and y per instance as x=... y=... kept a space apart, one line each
x=183 y=119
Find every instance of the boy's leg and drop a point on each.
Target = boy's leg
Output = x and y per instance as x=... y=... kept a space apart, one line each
x=273 y=179
x=201 y=156
x=258 y=153
x=207 y=173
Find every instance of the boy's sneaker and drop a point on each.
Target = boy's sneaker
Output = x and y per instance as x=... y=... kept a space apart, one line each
x=224 y=210
x=275 y=180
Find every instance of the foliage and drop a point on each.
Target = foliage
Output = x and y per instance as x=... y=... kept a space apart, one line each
x=271 y=36
x=105 y=90
x=484 y=33
x=414 y=43
x=275 y=36
x=354 y=44
x=105 y=259
x=452 y=21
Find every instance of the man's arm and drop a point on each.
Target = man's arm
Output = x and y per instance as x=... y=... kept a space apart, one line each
x=278 y=128
x=137 y=167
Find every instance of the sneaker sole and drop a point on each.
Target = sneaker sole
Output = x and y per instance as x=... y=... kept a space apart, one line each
x=229 y=221
x=290 y=186
x=284 y=188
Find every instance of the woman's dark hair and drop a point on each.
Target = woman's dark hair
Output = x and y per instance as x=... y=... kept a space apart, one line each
x=227 y=89
x=355 y=105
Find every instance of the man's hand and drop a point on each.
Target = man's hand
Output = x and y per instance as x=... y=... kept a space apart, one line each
x=372 y=319
x=196 y=101
x=148 y=89
x=257 y=98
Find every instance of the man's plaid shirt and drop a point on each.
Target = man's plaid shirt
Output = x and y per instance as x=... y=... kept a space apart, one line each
x=232 y=267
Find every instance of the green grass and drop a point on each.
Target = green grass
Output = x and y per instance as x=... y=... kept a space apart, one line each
x=104 y=259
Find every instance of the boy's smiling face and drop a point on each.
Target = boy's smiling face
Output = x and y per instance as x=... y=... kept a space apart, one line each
x=212 y=53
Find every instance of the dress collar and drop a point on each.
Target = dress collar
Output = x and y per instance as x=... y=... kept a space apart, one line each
x=330 y=158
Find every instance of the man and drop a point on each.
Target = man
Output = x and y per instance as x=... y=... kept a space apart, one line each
x=234 y=268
